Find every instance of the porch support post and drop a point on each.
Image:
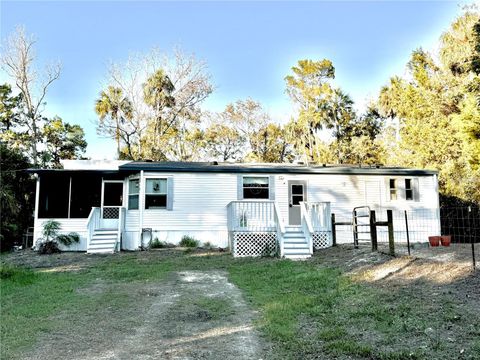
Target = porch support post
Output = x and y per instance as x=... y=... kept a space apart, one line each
x=37 y=204
x=141 y=205
x=69 y=196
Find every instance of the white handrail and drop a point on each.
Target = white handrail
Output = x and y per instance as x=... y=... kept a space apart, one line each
x=251 y=216
x=307 y=226
x=93 y=223
x=279 y=227
x=319 y=214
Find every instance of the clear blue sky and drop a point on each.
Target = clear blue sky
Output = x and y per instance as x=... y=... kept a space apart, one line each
x=249 y=46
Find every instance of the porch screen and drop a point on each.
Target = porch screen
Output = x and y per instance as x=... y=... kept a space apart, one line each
x=255 y=187
x=86 y=193
x=156 y=194
x=54 y=197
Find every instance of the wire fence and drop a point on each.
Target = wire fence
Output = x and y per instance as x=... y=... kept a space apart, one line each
x=448 y=234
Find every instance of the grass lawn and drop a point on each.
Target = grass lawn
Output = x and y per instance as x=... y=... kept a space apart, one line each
x=306 y=309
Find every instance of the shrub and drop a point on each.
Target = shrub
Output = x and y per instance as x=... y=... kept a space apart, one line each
x=208 y=245
x=189 y=242
x=48 y=247
x=51 y=238
x=157 y=244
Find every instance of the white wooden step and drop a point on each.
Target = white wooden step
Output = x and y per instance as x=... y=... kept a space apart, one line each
x=296 y=245
x=100 y=251
x=297 y=257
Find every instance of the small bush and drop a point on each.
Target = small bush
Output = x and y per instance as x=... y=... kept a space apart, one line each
x=157 y=244
x=48 y=247
x=189 y=242
x=51 y=238
x=208 y=245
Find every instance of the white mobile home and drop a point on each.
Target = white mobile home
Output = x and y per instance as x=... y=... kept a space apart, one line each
x=251 y=208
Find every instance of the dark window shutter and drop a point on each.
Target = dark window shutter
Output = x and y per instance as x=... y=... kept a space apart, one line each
x=170 y=193
x=239 y=187
x=271 y=187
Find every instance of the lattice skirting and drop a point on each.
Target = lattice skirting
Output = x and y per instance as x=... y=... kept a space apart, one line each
x=111 y=213
x=254 y=244
x=322 y=240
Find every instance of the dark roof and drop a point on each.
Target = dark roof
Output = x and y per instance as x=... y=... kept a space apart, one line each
x=204 y=167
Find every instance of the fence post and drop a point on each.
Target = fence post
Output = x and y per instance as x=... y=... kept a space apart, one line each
x=373 y=230
x=408 y=235
x=355 y=230
x=334 y=235
x=473 y=255
x=391 y=240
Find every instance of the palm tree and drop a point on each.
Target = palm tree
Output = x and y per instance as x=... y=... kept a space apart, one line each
x=157 y=93
x=113 y=107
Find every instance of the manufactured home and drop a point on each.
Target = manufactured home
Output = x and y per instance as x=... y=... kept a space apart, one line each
x=253 y=209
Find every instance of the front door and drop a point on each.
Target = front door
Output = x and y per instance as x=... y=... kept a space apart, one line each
x=297 y=192
x=112 y=200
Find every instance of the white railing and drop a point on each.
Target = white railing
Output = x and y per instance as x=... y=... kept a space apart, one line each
x=258 y=216
x=307 y=226
x=93 y=223
x=319 y=214
x=280 y=227
x=121 y=227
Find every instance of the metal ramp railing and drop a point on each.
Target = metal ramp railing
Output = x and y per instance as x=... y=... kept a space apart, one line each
x=361 y=223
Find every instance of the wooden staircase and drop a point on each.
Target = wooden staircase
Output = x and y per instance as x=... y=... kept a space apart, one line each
x=103 y=241
x=295 y=246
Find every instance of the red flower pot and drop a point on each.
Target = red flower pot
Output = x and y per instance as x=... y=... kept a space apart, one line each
x=434 y=240
x=446 y=240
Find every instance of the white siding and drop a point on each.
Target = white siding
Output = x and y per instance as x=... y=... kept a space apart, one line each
x=200 y=205
x=67 y=225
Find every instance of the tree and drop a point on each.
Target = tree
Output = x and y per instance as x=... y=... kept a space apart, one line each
x=270 y=145
x=63 y=141
x=224 y=142
x=114 y=110
x=18 y=60
x=310 y=89
x=436 y=106
x=165 y=93
x=17 y=191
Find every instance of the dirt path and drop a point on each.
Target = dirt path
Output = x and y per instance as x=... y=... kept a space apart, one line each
x=191 y=315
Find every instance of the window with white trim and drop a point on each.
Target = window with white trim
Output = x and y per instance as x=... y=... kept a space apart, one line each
x=409 y=189
x=255 y=187
x=393 y=189
x=133 y=194
x=156 y=194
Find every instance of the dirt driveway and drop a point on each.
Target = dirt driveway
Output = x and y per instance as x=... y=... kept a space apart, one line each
x=190 y=315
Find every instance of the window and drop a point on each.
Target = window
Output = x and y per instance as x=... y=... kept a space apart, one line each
x=408 y=189
x=133 y=191
x=156 y=194
x=393 y=189
x=297 y=194
x=255 y=187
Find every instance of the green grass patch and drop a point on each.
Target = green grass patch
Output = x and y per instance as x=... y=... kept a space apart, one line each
x=306 y=311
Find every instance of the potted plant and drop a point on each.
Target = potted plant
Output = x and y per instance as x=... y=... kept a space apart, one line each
x=446 y=240
x=434 y=240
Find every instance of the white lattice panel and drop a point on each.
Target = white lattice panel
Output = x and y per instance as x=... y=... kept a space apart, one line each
x=111 y=212
x=322 y=240
x=254 y=243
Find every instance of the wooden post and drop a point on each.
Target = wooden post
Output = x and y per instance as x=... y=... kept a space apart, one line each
x=473 y=255
x=408 y=235
x=391 y=240
x=373 y=230
x=334 y=235
x=355 y=230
